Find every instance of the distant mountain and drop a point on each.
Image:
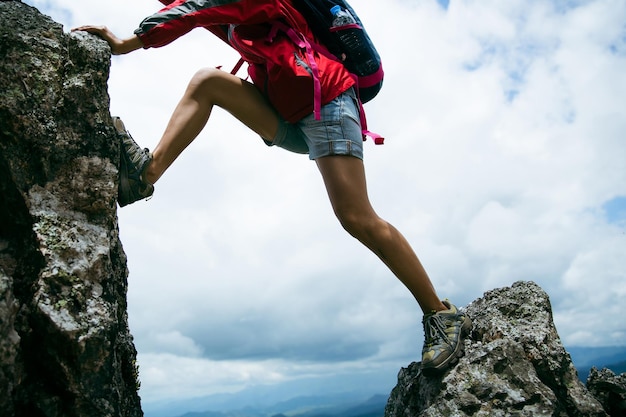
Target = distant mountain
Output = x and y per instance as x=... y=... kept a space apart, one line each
x=584 y=358
x=287 y=398
x=329 y=399
x=207 y=414
x=302 y=407
x=618 y=368
x=373 y=407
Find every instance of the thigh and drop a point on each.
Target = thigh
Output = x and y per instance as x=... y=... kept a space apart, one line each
x=344 y=178
x=241 y=99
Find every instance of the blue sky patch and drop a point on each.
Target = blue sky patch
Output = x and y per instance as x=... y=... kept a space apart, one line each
x=619 y=46
x=615 y=210
x=564 y=6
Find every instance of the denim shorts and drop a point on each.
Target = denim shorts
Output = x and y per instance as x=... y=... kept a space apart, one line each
x=338 y=132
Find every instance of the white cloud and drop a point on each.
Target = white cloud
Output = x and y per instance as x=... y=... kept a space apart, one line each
x=505 y=132
x=173 y=377
x=175 y=343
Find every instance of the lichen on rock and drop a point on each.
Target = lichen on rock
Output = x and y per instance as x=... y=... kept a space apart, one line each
x=65 y=346
x=514 y=365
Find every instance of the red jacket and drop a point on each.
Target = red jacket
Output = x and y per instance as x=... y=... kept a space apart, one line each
x=278 y=68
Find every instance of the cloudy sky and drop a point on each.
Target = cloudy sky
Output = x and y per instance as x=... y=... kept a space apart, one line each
x=505 y=160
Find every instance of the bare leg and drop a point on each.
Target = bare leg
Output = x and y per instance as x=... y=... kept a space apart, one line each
x=344 y=177
x=210 y=87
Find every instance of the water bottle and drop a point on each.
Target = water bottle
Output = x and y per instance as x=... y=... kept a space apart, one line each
x=354 y=40
x=341 y=17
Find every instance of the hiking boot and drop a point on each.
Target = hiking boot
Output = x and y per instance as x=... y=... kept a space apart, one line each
x=133 y=163
x=443 y=333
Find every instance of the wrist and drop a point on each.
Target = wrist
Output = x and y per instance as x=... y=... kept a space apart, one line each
x=128 y=45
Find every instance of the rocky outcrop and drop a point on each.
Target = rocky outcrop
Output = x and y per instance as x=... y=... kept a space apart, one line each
x=514 y=365
x=609 y=389
x=65 y=347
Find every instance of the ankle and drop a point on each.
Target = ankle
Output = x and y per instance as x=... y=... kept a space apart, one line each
x=434 y=308
x=150 y=174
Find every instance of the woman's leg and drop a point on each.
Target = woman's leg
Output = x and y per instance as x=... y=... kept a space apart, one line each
x=344 y=177
x=210 y=87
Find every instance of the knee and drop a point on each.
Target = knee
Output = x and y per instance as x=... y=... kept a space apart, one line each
x=362 y=226
x=204 y=80
x=205 y=75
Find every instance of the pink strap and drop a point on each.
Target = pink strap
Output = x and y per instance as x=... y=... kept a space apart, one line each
x=237 y=66
x=342 y=27
x=367 y=81
x=303 y=43
x=372 y=79
x=378 y=139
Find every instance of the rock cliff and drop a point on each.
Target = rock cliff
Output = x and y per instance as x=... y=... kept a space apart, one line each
x=65 y=347
x=514 y=365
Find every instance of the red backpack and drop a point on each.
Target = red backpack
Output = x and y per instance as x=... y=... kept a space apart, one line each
x=275 y=68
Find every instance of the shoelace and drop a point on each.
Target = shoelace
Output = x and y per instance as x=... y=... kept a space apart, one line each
x=133 y=150
x=137 y=156
x=435 y=330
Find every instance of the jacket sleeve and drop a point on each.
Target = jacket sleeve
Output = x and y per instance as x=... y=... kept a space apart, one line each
x=179 y=17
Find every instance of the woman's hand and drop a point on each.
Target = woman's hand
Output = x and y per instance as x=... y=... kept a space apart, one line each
x=118 y=46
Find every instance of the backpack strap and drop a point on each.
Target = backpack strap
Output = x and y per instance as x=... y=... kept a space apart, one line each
x=237 y=66
x=302 y=42
x=378 y=139
x=359 y=82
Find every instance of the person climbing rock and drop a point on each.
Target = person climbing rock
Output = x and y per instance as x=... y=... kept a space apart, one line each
x=279 y=106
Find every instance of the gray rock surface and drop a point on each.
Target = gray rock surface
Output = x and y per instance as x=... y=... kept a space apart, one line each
x=514 y=365
x=609 y=389
x=65 y=346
